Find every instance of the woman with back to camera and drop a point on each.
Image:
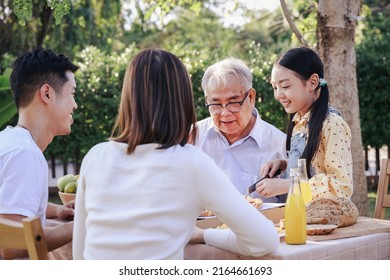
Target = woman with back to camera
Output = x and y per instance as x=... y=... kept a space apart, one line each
x=140 y=193
x=316 y=131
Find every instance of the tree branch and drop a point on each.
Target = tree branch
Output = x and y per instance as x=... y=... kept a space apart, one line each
x=290 y=21
x=46 y=18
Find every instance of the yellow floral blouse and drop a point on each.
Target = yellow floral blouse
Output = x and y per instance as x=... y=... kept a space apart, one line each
x=332 y=162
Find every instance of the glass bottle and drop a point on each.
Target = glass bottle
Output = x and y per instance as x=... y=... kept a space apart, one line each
x=295 y=212
x=304 y=180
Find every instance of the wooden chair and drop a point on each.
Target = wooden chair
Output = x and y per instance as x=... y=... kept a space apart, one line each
x=27 y=235
x=382 y=196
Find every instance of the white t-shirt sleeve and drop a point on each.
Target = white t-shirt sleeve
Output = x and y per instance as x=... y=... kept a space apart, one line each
x=21 y=185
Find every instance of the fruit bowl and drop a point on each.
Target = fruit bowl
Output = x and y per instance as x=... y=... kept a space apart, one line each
x=66 y=197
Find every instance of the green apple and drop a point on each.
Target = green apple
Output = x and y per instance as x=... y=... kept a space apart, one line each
x=64 y=180
x=70 y=187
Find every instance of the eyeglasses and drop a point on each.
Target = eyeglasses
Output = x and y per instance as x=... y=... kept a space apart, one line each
x=233 y=107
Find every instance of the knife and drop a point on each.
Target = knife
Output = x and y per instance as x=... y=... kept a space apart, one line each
x=252 y=187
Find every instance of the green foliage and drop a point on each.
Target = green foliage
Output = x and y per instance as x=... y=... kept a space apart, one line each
x=60 y=7
x=89 y=22
x=4 y=80
x=7 y=105
x=6 y=63
x=373 y=72
x=305 y=17
x=274 y=33
x=23 y=9
x=168 y=5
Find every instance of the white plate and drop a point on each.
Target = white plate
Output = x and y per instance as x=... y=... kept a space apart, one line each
x=271 y=205
x=206 y=217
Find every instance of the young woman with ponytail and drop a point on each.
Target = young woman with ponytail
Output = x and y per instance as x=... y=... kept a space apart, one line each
x=315 y=132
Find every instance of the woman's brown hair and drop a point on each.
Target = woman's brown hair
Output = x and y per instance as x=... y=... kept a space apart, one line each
x=156 y=103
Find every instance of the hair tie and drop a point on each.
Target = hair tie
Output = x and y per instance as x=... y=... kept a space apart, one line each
x=322 y=82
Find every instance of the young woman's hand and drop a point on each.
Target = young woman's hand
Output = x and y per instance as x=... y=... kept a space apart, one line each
x=272 y=187
x=272 y=166
x=197 y=235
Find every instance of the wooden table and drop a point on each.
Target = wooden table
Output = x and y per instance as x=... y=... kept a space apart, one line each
x=368 y=239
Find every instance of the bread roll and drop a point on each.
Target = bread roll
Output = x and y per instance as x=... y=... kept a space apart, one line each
x=338 y=211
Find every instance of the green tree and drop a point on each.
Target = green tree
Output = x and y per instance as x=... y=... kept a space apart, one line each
x=7 y=105
x=84 y=22
x=373 y=70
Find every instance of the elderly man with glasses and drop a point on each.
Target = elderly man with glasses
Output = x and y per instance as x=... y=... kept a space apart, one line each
x=234 y=135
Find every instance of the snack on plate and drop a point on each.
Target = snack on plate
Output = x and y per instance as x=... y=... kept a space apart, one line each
x=223 y=226
x=338 y=211
x=279 y=230
x=206 y=213
x=256 y=202
x=281 y=223
x=320 y=229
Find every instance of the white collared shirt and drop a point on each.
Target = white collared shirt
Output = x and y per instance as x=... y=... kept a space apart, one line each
x=243 y=159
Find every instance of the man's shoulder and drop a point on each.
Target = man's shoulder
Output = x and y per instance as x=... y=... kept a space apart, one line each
x=273 y=130
x=17 y=144
x=205 y=123
x=203 y=127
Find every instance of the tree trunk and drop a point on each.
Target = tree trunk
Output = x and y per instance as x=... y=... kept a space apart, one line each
x=46 y=19
x=336 y=23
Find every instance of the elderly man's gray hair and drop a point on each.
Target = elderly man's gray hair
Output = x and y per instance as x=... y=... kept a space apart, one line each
x=226 y=70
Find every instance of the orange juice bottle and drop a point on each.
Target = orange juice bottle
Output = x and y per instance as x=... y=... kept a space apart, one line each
x=304 y=181
x=295 y=212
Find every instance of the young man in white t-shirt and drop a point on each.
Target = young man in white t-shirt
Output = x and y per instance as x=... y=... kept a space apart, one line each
x=43 y=85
